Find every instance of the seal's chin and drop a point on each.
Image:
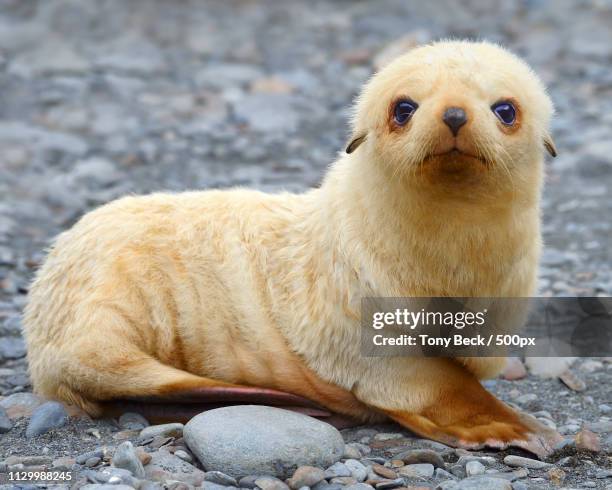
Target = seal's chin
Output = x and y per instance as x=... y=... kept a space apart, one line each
x=454 y=167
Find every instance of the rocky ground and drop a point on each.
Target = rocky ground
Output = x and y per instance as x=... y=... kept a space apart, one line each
x=100 y=99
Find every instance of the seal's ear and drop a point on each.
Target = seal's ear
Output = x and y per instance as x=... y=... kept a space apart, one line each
x=549 y=144
x=355 y=142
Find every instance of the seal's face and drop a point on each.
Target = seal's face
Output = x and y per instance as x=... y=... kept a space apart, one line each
x=456 y=114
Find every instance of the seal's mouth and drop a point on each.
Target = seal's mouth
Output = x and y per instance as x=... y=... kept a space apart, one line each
x=455 y=154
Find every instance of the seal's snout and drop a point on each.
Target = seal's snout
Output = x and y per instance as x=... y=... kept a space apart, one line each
x=454 y=118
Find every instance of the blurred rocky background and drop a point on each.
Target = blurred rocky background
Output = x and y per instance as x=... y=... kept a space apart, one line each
x=100 y=99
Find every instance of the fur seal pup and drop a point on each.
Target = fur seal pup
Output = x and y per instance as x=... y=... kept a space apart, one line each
x=240 y=296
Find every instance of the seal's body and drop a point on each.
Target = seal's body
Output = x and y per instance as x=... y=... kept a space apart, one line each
x=162 y=295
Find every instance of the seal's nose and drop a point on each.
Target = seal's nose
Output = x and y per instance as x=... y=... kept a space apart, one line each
x=454 y=118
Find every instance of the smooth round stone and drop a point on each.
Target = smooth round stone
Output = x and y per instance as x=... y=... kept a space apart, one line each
x=250 y=439
x=49 y=415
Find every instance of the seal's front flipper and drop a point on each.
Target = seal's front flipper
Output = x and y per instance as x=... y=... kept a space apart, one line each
x=182 y=404
x=468 y=416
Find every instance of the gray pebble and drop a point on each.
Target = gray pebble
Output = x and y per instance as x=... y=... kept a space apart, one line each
x=82 y=458
x=466 y=458
x=306 y=476
x=218 y=477
x=21 y=404
x=358 y=470
x=184 y=455
x=359 y=486
x=513 y=475
x=352 y=451
x=387 y=484
x=165 y=466
x=207 y=485
x=526 y=398
x=49 y=415
x=375 y=459
x=112 y=475
x=425 y=470
x=458 y=470
x=337 y=469
x=11 y=327
x=150 y=485
x=271 y=483
x=474 y=468
x=519 y=461
x=103 y=486
x=442 y=474
x=565 y=461
x=435 y=445
x=11 y=348
x=125 y=457
x=476 y=483
x=388 y=436
x=323 y=485
x=248 y=481
x=564 y=443
x=568 y=429
x=603 y=426
x=132 y=421
x=6 y=423
x=543 y=413
x=93 y=461
x=163 y=430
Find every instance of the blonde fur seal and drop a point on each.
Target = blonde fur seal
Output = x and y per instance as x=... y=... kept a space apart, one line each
x=166 y=293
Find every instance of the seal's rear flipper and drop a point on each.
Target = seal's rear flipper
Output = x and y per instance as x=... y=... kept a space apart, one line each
x=182 y=405
x=468 y=416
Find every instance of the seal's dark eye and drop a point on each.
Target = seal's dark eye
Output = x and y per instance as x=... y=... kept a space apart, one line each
x=403 y=111
x=505 y=112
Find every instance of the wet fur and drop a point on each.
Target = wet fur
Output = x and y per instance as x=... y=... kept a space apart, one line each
x=156 y=294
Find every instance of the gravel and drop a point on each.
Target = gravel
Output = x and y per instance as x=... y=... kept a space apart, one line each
x=101 y=99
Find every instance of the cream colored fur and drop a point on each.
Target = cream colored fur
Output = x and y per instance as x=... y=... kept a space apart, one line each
x=242 y=286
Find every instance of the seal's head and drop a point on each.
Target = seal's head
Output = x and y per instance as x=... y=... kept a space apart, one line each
x=455 y=115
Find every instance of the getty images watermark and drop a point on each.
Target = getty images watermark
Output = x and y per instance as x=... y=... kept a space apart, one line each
x=487 y=327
